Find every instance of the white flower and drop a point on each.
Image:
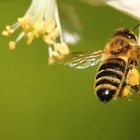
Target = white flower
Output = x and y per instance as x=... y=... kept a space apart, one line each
x=131 y=7
x=40 y=21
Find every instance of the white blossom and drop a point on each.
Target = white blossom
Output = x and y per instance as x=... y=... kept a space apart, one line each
x=40 y=21
x=131 y=7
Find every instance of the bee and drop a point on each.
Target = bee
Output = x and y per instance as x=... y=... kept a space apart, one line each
x=117 y=74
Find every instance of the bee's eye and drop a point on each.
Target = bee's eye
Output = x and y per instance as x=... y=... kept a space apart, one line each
x=129 y=36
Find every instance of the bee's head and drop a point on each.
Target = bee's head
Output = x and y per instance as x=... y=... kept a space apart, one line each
x=127 y=34
x=123 y=40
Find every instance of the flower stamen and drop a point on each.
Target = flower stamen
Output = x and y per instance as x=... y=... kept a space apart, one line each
x=40 y=21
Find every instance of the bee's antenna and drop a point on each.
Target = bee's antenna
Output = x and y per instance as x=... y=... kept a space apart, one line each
x=136 y=27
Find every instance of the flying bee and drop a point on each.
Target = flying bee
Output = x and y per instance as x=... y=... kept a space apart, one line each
x=117 y=74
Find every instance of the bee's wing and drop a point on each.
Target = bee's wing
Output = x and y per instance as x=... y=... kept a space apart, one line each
x=83 y=60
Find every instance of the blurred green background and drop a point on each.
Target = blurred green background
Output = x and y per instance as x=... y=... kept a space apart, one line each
x=41 y=102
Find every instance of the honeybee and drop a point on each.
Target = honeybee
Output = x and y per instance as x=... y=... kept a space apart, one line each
x=117 y=74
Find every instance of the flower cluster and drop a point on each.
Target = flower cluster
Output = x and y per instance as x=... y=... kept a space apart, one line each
x=40 y=21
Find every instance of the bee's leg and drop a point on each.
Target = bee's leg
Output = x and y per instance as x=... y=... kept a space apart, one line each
x=136 y=89
x=133 y=77
x=125 y=90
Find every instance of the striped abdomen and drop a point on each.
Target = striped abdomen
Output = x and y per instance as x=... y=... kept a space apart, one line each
x=109 y=78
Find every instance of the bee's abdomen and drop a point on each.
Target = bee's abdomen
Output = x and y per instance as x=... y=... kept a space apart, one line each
x=109 y=77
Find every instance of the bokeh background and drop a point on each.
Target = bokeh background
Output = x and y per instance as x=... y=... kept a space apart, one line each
x=41 y=102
